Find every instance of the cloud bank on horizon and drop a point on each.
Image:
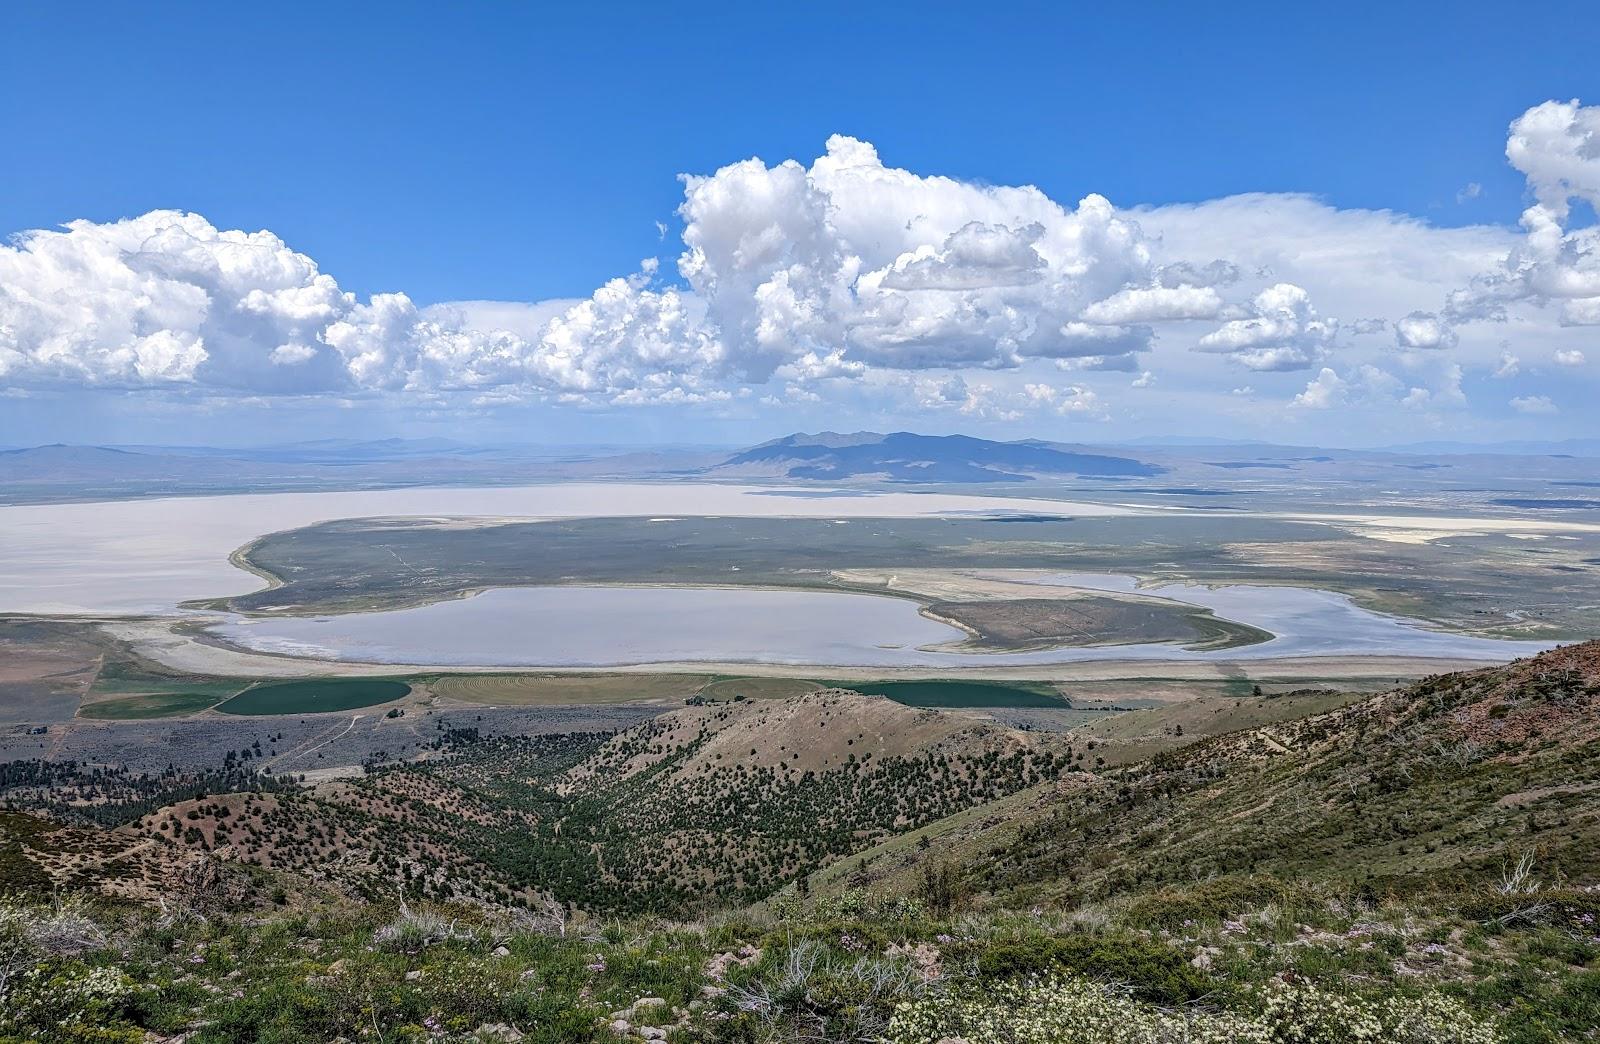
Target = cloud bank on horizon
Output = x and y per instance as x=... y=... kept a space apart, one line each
x=861 y=286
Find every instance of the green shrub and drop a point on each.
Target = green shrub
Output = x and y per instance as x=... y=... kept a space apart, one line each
x=1207 y=902
x=1151 y=971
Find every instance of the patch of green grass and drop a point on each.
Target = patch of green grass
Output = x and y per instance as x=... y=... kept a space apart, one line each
x=1174 y=908
x=151 y=705
x=312 y=695
x=948 y=693
x=140 y=691
x=119 y=677
x=1152 y=971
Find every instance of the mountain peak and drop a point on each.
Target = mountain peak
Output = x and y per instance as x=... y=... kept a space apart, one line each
x=905 y=456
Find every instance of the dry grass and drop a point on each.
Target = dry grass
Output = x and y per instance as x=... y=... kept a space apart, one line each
x=818 y=732
x=759 y=688
x=550 y=690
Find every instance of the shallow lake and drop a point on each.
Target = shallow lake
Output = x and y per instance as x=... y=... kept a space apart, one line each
x=592 y=626
x=608 y=626
x=1306 y=621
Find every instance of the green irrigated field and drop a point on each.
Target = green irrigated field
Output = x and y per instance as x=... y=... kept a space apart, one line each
x=314 y=695
x=135 y=689
x=150 y=705
x=949 y=693
x=119 y=678
x=556 y=690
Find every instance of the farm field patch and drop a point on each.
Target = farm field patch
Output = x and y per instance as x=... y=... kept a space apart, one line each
x=951 y=693
x=315 y=695
x=149 y=705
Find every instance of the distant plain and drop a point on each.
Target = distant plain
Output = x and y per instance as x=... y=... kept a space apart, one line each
x=1268 y=563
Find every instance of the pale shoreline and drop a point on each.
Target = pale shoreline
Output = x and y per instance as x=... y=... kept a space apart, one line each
x=141 y=550
x=154 y=638
x=142 y=557
x=145 y=556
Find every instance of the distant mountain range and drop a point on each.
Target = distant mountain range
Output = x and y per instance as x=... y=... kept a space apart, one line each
x=903 y=456
x=57 y=472
x=1530 y=471
x=1526 y=447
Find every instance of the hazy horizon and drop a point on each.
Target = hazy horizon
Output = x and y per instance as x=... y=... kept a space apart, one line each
x=1173 y=441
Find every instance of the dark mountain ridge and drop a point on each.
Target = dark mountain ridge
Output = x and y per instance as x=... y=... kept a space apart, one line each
x=905 y=456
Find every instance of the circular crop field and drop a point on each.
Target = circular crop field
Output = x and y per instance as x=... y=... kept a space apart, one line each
x=314 y=695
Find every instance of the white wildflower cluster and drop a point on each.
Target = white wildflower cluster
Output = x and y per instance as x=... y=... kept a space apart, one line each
x=79 y=996
x=1050 y=1011
x=1305 y=1013
x=1053 y=1010
x=32 y=936
x=1432 y=1019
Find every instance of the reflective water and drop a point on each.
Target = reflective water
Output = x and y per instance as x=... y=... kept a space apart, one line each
x=606 y=626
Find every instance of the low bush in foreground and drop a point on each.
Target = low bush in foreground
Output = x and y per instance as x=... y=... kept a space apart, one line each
x=1054 y=1010
x=845 y=968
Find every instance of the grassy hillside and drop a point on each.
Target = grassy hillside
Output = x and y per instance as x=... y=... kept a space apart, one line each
x=1433 y=786
x=1315 y=867
x=1304 y=967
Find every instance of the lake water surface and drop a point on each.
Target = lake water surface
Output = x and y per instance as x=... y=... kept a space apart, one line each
x=147 y=556
x=612 y=626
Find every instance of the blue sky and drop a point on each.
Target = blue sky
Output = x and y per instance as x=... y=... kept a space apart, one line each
x=505 y=153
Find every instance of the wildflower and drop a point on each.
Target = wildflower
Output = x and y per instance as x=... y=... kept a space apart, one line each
x=1069 y=1009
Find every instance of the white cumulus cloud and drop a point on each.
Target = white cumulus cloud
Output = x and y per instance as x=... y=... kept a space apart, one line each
x=1324 y=391
x=847 y=278
x=1155 y=303
x=1538 y=404
x=1282 y=332
x=1556 y=146
x=1424 y=330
